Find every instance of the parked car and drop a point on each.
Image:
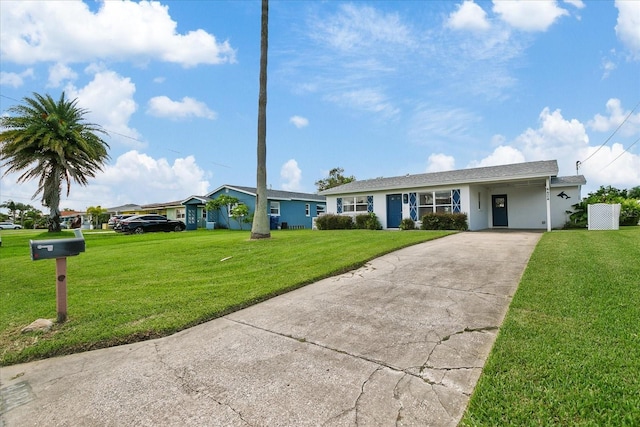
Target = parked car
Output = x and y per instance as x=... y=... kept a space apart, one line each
x=147 y=223
x=6 y=225
x=116 y=219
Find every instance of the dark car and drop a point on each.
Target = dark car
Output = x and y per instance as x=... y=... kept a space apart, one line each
x=147 y=223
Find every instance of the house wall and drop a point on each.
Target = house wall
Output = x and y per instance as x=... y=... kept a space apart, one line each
x=478 y=207
x=560 y=205
x=293 y=212
x=526 y=206
x=221 y=218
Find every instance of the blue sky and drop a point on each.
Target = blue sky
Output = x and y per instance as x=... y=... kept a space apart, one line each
x=379 y=88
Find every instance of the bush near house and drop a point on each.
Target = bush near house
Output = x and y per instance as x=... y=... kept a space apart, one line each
x=407 y=224
x=368 y=222
x=445 y=221
x=334 y=222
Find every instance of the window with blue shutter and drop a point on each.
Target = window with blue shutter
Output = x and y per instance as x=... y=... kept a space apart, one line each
x=369 y=203
x=456 y=201
x=339 y=205
x=413 y=206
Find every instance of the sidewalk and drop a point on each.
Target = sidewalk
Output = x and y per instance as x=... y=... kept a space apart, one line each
x=401 y=341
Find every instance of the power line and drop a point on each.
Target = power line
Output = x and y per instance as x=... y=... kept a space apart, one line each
x=610 y=136
x=619 y=155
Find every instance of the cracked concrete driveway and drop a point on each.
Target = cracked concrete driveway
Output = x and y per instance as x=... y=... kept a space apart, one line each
x=400 y=341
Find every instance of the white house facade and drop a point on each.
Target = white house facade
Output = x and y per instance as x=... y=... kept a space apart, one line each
x=520 y=196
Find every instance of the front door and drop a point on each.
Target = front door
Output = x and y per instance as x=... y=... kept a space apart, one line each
x=192 y=217
x=394 y=210
x=499 y=202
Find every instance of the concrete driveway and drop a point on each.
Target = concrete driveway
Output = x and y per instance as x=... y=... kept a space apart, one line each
x=400 y=341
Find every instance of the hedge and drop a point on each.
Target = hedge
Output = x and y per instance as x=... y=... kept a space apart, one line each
x=334 y=222
x=445 y=221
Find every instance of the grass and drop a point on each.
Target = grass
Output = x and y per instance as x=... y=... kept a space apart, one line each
x=568 y=352
x=127 y=288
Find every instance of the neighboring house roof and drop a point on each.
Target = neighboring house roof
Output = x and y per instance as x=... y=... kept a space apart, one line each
x=273 y=194
x=128 y=207
x=516 y=171
x=175 y=204
x=201 y=199
x=71 y=213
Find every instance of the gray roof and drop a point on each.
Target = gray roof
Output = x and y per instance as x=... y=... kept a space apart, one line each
x=516 y=171
x=559 y=181
x=276 y=194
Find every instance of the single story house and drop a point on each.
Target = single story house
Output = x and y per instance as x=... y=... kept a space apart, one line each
x=287 y=209
x=522 y=196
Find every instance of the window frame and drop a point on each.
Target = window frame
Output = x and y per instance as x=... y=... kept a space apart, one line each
x=274 y=208
x=355 y=204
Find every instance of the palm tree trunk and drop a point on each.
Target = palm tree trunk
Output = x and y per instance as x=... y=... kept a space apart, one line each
x=260 y=227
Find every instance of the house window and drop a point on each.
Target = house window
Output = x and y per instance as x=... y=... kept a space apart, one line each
x=354 y=204
x=274 y=208
x=320 y=209
x=434 y=201
x=307 y=209
x=180 y=214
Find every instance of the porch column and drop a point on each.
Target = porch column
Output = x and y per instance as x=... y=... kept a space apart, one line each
x=548 y=191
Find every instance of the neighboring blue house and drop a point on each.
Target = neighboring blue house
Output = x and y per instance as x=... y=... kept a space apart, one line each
x=287 y=209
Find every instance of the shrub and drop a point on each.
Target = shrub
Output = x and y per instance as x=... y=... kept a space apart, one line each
x=334 y=222
x=407 y=224
x=368 y=222
x=445 y=221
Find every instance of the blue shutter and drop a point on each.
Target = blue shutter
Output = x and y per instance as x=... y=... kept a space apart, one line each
x=339 y=205
x=369 y=203
x=413 y=206
x=456 y=201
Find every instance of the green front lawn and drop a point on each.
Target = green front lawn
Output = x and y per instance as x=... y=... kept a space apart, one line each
x=568 y=352
x=128 y=288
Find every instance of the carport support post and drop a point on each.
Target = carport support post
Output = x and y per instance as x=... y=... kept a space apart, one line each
x=61 y=289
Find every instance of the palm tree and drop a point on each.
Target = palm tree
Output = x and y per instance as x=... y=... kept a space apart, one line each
x=51 y=141
x=260 y=226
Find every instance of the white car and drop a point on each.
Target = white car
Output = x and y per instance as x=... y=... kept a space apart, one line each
x=6 y=225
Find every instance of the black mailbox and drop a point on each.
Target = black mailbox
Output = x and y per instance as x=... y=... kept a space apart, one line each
x=57 y=248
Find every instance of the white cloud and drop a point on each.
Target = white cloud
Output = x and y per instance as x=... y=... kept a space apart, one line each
x=109 y=99
x=528 y=15
x=502 y=155
x=299 y=122
x=429 y=125
x=354 y=28
x=366 y=99
x=134 y=178
x=69 y=31
x=291 y=175
x=163 y=106
x=440 y=162
x=469 y=16
x=59 y=73
x=556 y=138
x=578 y=4
x=628 y=24
x=14 y=79
x=615 y=118
x=139 y=178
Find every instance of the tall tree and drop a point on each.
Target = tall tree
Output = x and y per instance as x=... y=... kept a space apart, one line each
x=260 y=226
x=11 y=207
x=334 y=179
x=51 y=141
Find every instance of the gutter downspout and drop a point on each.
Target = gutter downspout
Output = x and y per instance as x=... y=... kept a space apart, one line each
x=548 y=192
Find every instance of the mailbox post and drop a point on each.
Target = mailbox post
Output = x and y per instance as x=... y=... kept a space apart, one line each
x=59 y=249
